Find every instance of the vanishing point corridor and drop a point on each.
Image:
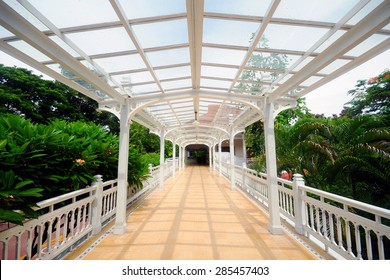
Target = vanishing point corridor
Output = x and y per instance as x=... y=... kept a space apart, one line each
x=196 y=216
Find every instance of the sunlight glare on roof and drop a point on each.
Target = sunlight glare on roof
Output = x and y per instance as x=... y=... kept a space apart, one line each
x=169 y=57
x=76 y=12
x=161 y=33
x=118 y=63
x=102 y=41
x=174 y=72
x=214 y=55
x=243 y=7
x=295 y=38
x=329 y=11
x=30 y=50
x=228 y=32
x=151 y=8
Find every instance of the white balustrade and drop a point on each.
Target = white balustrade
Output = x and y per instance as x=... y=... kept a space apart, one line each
x=67 y=220
x=343 y=227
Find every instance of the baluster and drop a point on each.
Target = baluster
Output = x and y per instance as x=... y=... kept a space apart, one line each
x=58 y=231
x=331 y=224
x=318 y=223
x=103 y=210
x=49 y=235
x=65 y=228
x=291 y=207
x=40 y=240
x=112 y=202
x=18 y=246
x=340 y=233
x=77 y=215
x=307 y=210
x=381 y=247
x=324 y=224
x=348 y=234
x=5 y=249
x=89 y=220
x=29 y=244
x=368 y=243
x=358 y=242
x=312 y=218
x=71 y=223
x=84 y=216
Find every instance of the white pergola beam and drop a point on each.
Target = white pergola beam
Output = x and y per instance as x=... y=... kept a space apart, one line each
x=373 y=22
x=16 y=24
x=256 y=38
x=382 y=47
x=123 y=19
x=195 y=9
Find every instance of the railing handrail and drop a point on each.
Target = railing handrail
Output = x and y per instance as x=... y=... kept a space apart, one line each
x=61 y=198
x=349 y=202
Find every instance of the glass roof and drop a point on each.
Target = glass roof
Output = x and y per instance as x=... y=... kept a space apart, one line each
x=197 y=69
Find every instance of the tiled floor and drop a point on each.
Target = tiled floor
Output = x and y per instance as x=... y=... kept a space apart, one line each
x=195 y=217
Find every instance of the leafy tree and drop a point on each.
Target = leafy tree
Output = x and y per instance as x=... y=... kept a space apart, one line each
x=28 y=95
x=39 y=161
x=370 y=97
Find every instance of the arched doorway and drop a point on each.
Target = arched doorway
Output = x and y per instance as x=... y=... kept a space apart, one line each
x=197 y=154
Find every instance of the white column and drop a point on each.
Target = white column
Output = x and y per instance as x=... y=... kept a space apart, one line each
x=232 y=163
x=174 y=157
x=180 y=156
x=220 y=157
x=214 y=155
x=299 y=205
x=162 y=159
x=243 y=147
x=184 y=157
x=97 y=205
x=210 y=157
x=123 y=166
x=275 y=226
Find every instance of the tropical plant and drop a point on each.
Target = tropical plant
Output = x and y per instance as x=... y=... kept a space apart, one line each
x=40 y=161
x=370 y=96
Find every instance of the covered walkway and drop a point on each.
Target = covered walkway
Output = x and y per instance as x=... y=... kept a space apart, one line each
x=197 y=216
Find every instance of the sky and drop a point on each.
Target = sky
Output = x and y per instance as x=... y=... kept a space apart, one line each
x=330 y=98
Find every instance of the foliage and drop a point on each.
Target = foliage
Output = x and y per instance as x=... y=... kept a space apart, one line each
x=40 y=161
x=151 y=158
x=28 y=95
x=370 y=97
x=144 y=141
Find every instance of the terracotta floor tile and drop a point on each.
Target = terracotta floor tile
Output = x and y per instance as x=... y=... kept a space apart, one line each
x=198 y=216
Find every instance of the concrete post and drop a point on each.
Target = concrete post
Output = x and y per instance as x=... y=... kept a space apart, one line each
x=232 y=163
x=97 y=205
x=299 y=205
x=162 y=158
x=123 y=166
x=174 y=157
x=275 y=226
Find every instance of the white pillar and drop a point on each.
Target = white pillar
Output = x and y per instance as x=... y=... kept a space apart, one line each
x=243 y=147
x=123 y=166
x=162 y=159
x=299 y=205
x=180 y=156
x=214 y=155
x=275 y=226
x=184 y=156
x=174 y=157
x=232 y=163
x=97 y=205
x=210 y=157
x=220 y=157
